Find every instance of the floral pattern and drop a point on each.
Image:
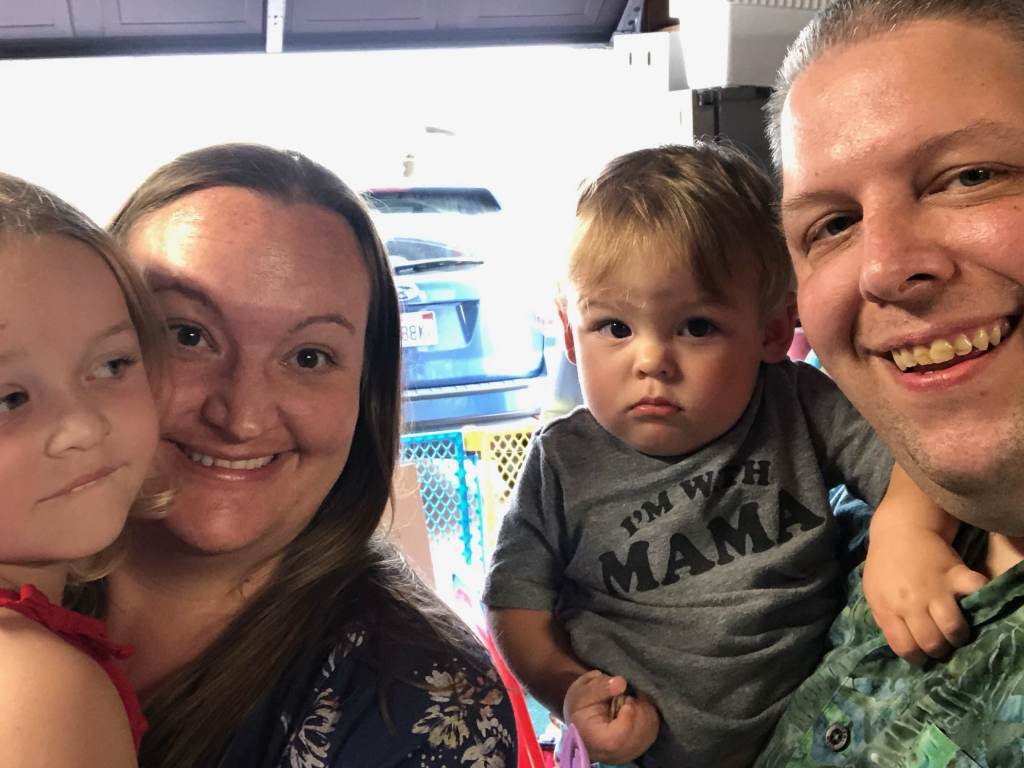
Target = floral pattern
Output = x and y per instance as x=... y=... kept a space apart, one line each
x=456 y=718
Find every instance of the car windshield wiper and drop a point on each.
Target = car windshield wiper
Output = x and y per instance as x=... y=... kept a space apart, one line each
x=424 y=266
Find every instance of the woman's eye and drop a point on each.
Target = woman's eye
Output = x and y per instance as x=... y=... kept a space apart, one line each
x=12 y=401
x=311 y=358
x=114 y=368
x=187 y=335
x=616 y=329
x=698 y=327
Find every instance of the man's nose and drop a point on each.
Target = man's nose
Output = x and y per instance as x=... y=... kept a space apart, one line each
x=905 y=260
x=80 y=425
x=240 y=404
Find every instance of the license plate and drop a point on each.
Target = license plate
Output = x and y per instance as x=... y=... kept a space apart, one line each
x=419 y=329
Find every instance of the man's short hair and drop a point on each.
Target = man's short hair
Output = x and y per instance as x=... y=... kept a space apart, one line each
x=707 y=208
x=845 y=22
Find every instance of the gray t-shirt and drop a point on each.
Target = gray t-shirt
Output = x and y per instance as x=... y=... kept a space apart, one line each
x=708 y=581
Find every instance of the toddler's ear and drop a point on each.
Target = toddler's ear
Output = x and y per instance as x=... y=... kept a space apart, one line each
x=779 y=327
x=570 y=345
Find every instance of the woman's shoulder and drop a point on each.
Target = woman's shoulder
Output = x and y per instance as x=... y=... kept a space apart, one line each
x=55 y=697
x=446 y=707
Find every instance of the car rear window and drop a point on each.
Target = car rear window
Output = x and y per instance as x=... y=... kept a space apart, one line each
x=469 y=200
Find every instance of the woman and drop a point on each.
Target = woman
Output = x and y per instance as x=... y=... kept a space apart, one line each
x=272 y=625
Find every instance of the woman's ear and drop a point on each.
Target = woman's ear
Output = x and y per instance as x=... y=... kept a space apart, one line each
x=779 y=327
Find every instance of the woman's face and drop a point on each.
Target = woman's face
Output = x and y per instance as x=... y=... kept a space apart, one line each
x=266 y=305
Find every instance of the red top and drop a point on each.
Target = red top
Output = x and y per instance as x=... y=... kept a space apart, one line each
x=87 y=635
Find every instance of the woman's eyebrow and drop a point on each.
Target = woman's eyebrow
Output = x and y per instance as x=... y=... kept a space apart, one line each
x=332 y=317
x=163 y=283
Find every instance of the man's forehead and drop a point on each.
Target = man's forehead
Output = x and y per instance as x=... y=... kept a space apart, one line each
x=882 y=98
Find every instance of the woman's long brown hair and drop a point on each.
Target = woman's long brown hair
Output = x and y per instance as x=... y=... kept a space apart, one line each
x=337 y=570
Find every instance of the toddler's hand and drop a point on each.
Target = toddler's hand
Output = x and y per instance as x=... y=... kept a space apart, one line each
x=615 y=727
x=911 y=584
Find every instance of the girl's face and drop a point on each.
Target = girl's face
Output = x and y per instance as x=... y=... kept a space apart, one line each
x=78 y=426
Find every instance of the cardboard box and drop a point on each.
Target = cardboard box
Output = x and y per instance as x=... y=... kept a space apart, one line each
x=406 y=523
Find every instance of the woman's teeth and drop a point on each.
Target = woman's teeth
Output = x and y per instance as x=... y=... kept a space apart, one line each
x=943 y=350
x=210 y=461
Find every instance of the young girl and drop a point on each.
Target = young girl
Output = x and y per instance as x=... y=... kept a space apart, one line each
x=78 y=429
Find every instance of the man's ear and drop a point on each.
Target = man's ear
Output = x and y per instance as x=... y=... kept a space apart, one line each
x=570 y=345
x=779 y=327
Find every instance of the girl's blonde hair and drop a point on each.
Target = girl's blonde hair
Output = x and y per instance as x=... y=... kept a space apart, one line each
x=28 y=210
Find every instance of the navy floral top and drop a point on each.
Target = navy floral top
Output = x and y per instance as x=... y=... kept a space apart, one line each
x=439 y=713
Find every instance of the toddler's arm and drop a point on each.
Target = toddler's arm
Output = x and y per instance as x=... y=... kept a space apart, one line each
x=913 y=576
x=537 y=651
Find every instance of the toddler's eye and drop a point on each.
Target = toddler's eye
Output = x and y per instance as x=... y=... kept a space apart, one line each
x=616 y=329
x=311 y=358
x=12 y=401
x=698 y=327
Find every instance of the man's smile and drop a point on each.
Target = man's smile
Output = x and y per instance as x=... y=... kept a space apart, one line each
x=945 y=351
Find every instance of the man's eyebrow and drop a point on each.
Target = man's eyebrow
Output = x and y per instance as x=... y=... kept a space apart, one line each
x=161 y=282
x=983 y=128
x=331 y=317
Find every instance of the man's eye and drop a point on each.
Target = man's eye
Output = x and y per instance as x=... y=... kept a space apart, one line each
x=698 y=327
x=311 y=358
x=616 y=329
x=831 y=227
x=972 y=177
x=12 y=401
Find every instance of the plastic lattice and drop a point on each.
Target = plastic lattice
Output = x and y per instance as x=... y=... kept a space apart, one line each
x=500 y=452
x=450 y=498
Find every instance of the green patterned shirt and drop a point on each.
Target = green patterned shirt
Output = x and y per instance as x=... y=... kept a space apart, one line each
x=864 y=706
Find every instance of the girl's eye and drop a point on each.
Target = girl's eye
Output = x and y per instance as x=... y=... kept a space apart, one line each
x=12 y=401
x=187 y=335
x=698 y=327
x=616 y=329
x=114 y=368
x=311 y=358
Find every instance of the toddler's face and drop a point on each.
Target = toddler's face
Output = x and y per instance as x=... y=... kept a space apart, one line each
x=665 y=367
x=78 y=426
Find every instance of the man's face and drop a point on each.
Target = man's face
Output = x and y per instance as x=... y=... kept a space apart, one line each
x=903 y=207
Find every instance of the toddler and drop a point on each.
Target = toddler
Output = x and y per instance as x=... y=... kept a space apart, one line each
x=674 y=535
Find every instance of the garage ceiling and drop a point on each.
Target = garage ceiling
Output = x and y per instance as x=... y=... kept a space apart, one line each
x=103 y=27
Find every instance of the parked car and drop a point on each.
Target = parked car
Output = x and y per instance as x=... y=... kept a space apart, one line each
x=472 y=327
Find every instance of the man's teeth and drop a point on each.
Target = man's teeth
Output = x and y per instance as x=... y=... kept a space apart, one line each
x=944 y=350
x=210 y=461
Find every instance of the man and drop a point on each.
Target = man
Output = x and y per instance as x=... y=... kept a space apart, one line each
x=898 y=127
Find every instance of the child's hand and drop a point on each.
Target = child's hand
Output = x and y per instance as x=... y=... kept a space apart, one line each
x=615 y=727
x=911 y=583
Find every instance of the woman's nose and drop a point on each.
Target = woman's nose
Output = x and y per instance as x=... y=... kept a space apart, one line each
x=240 y=404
